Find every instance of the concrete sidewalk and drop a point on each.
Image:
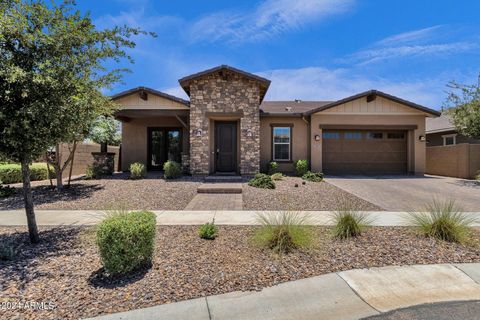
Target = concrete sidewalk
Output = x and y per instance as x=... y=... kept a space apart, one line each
x=346 y=295
x=185 y=217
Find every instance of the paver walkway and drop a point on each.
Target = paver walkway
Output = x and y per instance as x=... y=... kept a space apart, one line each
x=189 y=217
x=346 y=295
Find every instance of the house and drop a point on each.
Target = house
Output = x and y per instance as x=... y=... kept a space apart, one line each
x=441 y=132
x=450 y=153
x=228 y=128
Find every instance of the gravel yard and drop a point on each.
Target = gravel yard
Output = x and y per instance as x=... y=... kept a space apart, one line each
x=153 y=193
x=311 y=196
x=64 y=268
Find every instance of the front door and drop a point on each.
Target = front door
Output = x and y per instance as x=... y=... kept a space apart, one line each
x=226 y=146
x=163 y=144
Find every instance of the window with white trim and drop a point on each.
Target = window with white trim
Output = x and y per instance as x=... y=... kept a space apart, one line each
x=449 y=139
x=282 y=137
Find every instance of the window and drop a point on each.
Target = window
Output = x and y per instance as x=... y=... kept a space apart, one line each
x=353 y=135
x=449 y=139
x=375 y=135
x=396 y=135
x=282 y=143
x=331 y=135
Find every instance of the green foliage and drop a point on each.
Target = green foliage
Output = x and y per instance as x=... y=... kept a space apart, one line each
x=8 y=251
x=137 y=171
x=301 y=167
x=349 y=223
x=208 y=230
x=477 y=177
x=444 y=221
x=126 y=241
x=12 y=173
x=51 y=74
x=272 y=167
x=105 y=130
x=172 y=170
x=313 y=176
x=283 y=232
x=6 y=191
x=464 y=108
x=93 y=172
x=263 y=181
x=277 y=176
x=4 y=160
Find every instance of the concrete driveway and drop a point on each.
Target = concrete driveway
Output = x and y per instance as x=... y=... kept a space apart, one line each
x=410 y=193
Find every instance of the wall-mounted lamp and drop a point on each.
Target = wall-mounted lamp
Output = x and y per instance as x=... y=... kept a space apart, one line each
x=421 y=138
x=249 y=133
x=317 y=137
x=198 y=133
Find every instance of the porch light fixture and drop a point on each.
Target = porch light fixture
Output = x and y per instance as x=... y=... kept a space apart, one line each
x=421 y=138
x=317 y=137
x=198 y=133
x=249 y=133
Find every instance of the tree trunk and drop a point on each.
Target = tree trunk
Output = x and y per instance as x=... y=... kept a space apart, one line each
x=59 y=174
x=103 y=147
x=71 y=162
x=28 y=199
x=58 y=167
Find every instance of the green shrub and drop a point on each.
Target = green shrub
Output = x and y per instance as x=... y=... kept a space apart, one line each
x=137 y=171
x=477 y=177
x=301 y=167
x=349 y=223
x=6 y=191
x=172 y=170
x=12 y=173
x=313 y=176
x=93 y=172
x=277 y=176
x=126 y=241
x=283 y=232
x=262 y=181
x=444 y=221
x=208 y=231
x=272 y=167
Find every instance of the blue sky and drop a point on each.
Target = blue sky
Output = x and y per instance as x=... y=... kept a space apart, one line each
x=310 y=49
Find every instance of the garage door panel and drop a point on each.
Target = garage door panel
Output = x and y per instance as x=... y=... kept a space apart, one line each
x=358 y=152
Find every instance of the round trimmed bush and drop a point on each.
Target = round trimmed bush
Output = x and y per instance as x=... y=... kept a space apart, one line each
x=126 y=241
x=272 y=168
x=263 y=181
x=208 y=231
x=172 y=170
x=301 y=167
x=137 y=171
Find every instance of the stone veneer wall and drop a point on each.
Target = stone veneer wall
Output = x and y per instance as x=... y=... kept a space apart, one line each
x=224 y=94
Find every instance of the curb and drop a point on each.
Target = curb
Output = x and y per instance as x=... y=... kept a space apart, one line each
x=346 y=295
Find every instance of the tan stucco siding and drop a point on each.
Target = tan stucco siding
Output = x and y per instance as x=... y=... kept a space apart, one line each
x=134 y=138
x=378 y=106
x=416 y=148
x=300 y=141
x=153 y=102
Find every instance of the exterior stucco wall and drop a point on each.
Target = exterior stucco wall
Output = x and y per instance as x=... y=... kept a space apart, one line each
x=436 y=139
x=214 y=95
x=134 y=138
x=416 y=148
x=300 y=141
x=154 y=102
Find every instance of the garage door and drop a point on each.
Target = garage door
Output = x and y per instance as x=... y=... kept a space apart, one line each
x=364 y=152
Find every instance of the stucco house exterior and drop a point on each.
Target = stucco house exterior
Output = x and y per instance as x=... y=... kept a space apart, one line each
x=226 y=127
x=441 y=132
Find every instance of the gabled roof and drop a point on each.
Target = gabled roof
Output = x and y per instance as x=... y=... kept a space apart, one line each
x=264 y=83
x=440 y=124
x=151 y=91
x=374 y=93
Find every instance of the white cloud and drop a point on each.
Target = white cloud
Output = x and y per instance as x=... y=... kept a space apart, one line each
x=270 y=18
x=423 y=42
x=317 y=83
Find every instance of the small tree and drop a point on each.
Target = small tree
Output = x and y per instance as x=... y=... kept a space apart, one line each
x=464 y=107
x=51 y=75
x=105 y=132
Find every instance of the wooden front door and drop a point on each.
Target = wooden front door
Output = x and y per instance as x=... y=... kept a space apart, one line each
x=225 y=146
